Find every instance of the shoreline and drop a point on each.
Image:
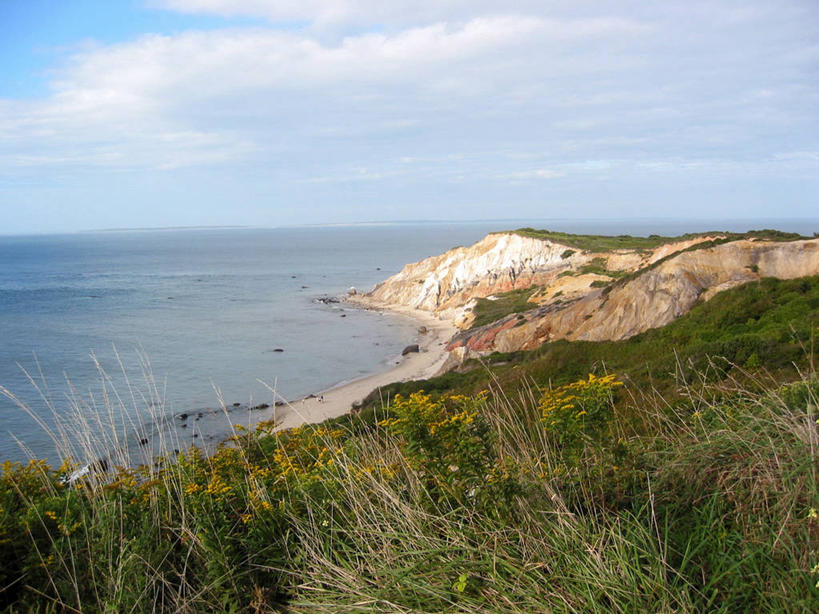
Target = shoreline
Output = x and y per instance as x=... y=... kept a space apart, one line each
x=340 y=399
x=332 y=402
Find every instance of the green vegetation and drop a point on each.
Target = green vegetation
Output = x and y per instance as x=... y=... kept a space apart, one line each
x=774 y=319
x=598 y=267
x=603 y=243
x=682 y=484
x=515 y=301
x=550 y=502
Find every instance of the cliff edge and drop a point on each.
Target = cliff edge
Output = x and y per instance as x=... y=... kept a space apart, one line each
x=572 y=289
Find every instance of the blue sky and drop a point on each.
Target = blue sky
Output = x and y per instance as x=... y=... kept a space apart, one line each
x=150 y=113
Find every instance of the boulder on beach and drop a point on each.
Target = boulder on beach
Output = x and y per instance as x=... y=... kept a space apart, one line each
x=352 y=292
x=423 y=330
x=410 y=349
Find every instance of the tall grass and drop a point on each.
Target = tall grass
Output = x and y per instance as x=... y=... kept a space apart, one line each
x=536 y=502
x=122 y=421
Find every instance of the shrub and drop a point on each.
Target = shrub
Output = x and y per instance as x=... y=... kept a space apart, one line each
x=578 y=411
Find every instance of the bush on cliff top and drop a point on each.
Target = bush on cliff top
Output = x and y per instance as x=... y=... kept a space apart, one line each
x=604 y=243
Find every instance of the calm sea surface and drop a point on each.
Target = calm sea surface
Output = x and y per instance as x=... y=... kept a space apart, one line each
x=197 y=315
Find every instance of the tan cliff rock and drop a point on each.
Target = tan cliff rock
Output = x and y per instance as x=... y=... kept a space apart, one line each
x=660 y=285
x=651 y=299
x=499 y=263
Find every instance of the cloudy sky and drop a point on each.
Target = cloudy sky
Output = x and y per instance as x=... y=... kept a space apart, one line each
x=148 y=113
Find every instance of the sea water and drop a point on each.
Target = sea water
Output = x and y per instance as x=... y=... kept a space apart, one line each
x=157 y=324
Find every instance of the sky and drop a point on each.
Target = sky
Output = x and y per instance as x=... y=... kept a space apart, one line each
x=157 y=113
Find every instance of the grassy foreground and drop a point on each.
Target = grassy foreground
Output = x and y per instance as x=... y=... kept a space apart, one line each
x=548 y=501
x=684 y=483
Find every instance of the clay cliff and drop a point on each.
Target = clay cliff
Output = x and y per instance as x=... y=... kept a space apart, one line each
x=579 y=294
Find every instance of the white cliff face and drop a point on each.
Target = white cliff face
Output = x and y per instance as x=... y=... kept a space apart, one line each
x=498 y=263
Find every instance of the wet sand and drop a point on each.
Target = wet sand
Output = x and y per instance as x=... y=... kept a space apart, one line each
x=340 y=399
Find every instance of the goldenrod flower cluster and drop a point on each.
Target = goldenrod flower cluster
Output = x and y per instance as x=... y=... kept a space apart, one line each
x=568 y=410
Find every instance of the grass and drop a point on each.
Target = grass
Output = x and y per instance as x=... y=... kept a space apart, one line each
x=685 y=483
x=604 y=243
x=769 y=322
x=598 y=267
x=456 y=504
x=488 y=310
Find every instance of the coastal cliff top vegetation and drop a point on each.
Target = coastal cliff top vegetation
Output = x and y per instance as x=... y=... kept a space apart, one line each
x=502 y=304
x=604 y=243
x=768 y=324
x=548 y=501
x=653 y=474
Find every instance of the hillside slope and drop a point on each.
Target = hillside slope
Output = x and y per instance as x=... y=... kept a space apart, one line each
x=579 y=294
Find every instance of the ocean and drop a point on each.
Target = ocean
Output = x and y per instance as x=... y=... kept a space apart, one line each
x=134 y=328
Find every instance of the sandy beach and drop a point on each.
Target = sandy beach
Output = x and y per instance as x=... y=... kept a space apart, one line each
x=340 y=399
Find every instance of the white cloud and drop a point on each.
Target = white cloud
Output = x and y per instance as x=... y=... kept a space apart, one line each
x=118 y=104
x=540 y=173
x=324 y=12
x=428 y=93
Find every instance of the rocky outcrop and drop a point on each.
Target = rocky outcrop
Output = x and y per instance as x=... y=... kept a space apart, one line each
x=650 y=299
x=583 y=295
x=499 y=263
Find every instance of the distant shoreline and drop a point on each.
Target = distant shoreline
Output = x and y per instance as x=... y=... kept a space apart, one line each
x=340 y=399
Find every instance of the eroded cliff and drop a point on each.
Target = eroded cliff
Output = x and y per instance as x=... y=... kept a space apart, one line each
x=580 y=294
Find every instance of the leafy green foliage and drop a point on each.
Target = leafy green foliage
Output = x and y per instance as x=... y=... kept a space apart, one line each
x=489 y=310
x=455 y=503
x=769 y=322
x=560 y=490
x=448 y=443
x=598 y=267
x=603 y=243
x=575 y=412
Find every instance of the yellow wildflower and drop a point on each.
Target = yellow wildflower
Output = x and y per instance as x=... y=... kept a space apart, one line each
x=192 y=488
